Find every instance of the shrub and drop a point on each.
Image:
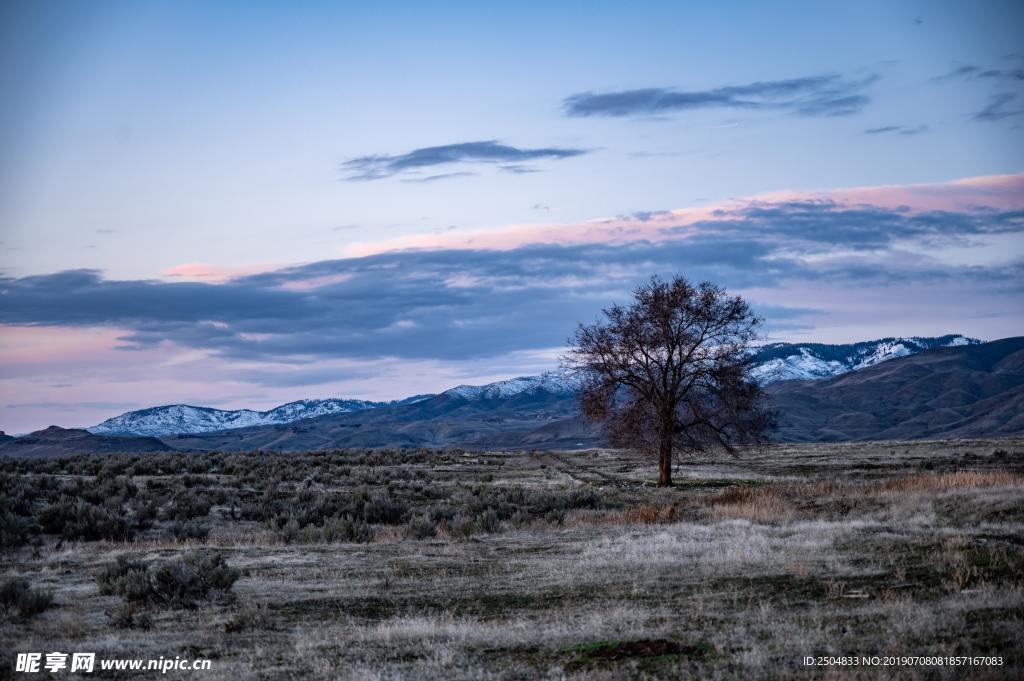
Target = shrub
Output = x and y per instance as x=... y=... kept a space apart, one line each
x=16 y=595
x=14 y=530
x=197 y=576
x=190 y=530
x=187 y=507
x=335 y=529
x=127 y=578
x=180 y=583
x=421 y=527
x=462 y=527
x=108 y=490
x=345 y=529
x=488 y=521
x=250 y=618
x=383 y=510
x=79 y=519
x=145 y=514
x=129 y=616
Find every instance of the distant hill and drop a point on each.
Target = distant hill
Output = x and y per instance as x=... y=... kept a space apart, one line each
x=955 y=392
x=789 y=361
x=55 y=441
x=965 y=390
x=526 y=414
x=772 y=363
x=184 y=418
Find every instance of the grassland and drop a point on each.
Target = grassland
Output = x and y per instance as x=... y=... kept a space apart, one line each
x=522 y=565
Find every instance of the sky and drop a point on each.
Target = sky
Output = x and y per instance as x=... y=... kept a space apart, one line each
x=239 y=204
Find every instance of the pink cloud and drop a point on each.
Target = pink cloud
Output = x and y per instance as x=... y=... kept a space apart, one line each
x=999 y=192
x=24 y=345
x=213 y=274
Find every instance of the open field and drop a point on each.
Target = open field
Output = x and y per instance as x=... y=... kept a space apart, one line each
x=519 y=565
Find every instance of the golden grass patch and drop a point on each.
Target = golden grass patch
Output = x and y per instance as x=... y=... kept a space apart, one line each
x=954 y=480
x=757 y=504
x=645 y=514
x=651 y=513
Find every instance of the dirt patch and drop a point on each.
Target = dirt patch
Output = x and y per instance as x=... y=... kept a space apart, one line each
x=658 y=647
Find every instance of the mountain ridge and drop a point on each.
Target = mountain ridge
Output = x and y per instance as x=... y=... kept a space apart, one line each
x=949 y=392
x=962 y=391
x=56 y=441
x=773 y=362
x=788 y=361
x=185 y=418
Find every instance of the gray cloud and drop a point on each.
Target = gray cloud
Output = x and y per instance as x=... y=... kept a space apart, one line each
x=466 y=304
x=996 y=109
x=821 y=225
x=73 y=406
x=517 y=169
x=898 y=130
x=824 y=95
x=379 y=166
x=648 y=215
x=441 y=176
x=311 y=374
x=975 y=72
x=998 y=106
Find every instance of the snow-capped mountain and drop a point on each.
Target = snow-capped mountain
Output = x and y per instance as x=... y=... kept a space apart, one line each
x=786 y=361
x=772 y=363
x=183 y=418
x=557 y=382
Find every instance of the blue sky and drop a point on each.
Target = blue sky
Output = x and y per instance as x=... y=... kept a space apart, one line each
x=171 y=169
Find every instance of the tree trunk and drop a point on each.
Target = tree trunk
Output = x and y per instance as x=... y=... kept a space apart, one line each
x=665 y=459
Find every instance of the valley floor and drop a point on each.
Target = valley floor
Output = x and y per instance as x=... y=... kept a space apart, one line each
x=526 y=565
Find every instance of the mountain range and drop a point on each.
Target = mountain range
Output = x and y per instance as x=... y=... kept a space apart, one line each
x=771 y=363
x=184 y=418
x=957 y=392
x=961 y=389
x=788 y=361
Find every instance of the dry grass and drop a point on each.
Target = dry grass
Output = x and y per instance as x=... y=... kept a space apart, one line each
x=807 y=550
x=952 y=481
x=756 y=504
x=647 y=514
x=775 y=503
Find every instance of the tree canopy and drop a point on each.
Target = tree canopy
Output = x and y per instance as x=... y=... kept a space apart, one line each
x=671 y=371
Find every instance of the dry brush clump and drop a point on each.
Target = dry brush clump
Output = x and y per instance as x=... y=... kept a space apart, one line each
x=951 y=481
x=784 y=502
x=765 y=504
x=251 y=617
x=181 y=583
x=18 y=597
x=643 y=514
x=331 y=530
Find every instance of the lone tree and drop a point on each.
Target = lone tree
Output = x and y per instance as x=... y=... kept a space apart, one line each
x=671 y=372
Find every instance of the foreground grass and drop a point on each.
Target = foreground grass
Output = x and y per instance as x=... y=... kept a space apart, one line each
x=380 y=565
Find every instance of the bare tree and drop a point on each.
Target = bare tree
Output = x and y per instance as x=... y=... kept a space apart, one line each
x=671 y=372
